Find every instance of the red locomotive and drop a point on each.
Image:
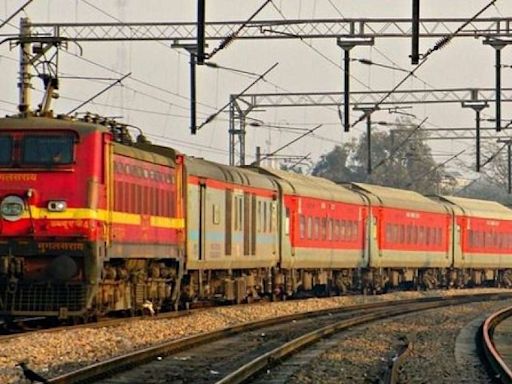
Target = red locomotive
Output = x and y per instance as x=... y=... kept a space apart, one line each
x=89 y=224
x=92 y=221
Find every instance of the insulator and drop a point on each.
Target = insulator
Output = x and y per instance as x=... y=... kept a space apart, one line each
x=227 y=41
x=442 y=43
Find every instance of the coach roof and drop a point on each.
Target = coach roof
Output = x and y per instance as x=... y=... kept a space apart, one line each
x=480 y=208
x=236 y=175
x=311 y=186
x=398 y=198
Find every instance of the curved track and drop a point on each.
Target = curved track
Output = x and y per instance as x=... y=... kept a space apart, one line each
x=500 y=368
x=234 y=354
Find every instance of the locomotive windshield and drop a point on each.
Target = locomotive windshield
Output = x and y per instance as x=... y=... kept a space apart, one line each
x=47 y=150
x=5 y=150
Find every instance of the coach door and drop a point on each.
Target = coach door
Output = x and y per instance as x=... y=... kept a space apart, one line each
x=202 y=219
x=247 y=238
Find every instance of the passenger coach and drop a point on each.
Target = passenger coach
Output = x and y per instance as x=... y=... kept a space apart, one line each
x=482 y=242
x=410 y=243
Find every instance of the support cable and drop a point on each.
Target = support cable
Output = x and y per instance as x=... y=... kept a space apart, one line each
x=213 y=116
x=290 y=143
x=118 y=81
x=395 y=150
x=493 y=156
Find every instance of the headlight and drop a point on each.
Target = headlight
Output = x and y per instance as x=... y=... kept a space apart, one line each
x=57 y=206
x=12 y=208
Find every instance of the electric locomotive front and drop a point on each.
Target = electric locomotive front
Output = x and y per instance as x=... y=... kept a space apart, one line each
x=53 y=206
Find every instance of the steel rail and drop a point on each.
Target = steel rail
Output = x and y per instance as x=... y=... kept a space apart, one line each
x=123 y=362
x=492 y=355
x=267 y=360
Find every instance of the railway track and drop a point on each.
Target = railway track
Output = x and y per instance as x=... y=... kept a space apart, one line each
x=492 y=356
x=235 y=354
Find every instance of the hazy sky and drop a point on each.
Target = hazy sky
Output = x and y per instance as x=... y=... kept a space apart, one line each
x=156 y=97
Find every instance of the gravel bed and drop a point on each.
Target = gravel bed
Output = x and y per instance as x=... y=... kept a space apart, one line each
x=363 y=356
x=52 y=354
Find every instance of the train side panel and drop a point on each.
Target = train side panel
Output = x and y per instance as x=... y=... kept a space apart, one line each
x=232 y=231
x=484 y=235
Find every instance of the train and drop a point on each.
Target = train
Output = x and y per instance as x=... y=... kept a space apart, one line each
x=94 y=220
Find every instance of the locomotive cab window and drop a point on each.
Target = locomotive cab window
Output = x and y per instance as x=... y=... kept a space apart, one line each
x=47 y=150
x=5 y=150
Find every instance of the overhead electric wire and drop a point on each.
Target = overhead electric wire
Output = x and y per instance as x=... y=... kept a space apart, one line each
x=435 y=168
x=439 y=45
x=20 y=9
x=396 y=66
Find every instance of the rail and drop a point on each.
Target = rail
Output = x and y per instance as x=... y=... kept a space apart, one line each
x=492 y=356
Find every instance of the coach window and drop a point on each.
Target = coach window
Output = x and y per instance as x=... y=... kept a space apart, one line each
x=259 y=216
x=488 y=239
x=421 y=235
x=317 y=228
x=286 y=224
x=324 y=228
x=394 y=233
x=336 y=234
x=479 y=239
x=215 y=214
x=240 y=212
x=5 y=150
x=389 y=233
x=235 y=224
x=269 y=217
x=408 y=234
x=348 y=230
x=329 y=229
x=272 y=216
x=302 y=226
x=310 y=227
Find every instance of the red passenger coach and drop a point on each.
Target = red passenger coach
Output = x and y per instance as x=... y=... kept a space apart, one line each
x=410 y=240
x=482 y=242
x=323 y=236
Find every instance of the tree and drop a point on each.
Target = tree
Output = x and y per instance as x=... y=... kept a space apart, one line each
x=335 y=165
x=492 y=184
x=400 y=158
